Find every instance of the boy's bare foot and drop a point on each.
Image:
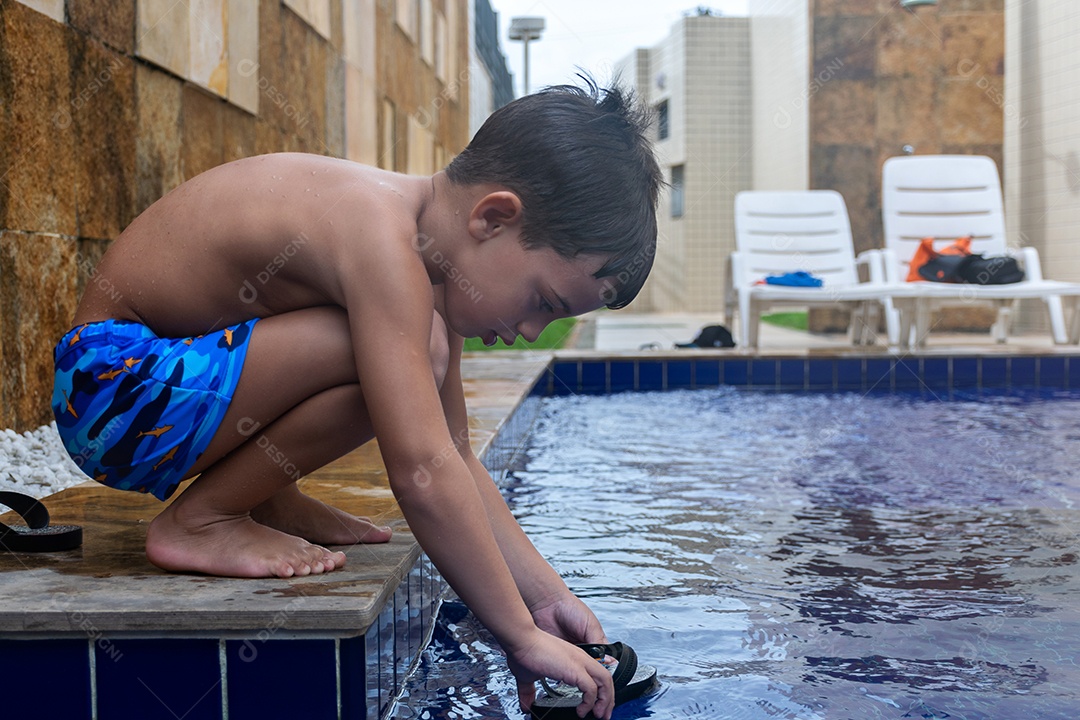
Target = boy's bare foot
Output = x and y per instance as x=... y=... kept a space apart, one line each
x=293 y=512
x=234 y=546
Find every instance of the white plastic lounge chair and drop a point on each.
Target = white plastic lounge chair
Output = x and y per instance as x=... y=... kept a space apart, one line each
x=947 y=197
x=782 y=232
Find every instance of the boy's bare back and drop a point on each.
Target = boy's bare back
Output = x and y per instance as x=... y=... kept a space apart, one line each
x=254 y=238
x=320 y=304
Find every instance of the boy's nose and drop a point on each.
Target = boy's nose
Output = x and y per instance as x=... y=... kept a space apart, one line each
x=530 y=331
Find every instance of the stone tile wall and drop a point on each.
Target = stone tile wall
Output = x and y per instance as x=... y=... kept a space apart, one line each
x=883 y=77
x=105 y=107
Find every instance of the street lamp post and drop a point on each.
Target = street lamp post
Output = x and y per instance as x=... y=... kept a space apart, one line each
x=526 y=29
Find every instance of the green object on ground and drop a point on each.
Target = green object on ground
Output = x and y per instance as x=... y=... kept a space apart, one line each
x=794 y=320
x=554 y=337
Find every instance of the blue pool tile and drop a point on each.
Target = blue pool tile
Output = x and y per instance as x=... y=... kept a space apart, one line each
x=763 y=373
x=849 y=374
x=736 y=372
x=622 y=376
x=417 y=617
x=820 y=374
x=935 y=374
x=401 y=634
x=160 y=678
x=792 y=374
x=594 y=377
x=1022 y=372
x=878 y=374
x=566 y=378
x=650 y=375
x=34 y=670
x=965 y=373
x=353 y=674
x=435 y=587
x=540 y=388
x=706 y=373
x=1072 y=366
x=372 y=671
x=386 y=657
x=263 y=679
x=679 y=374
x=906 y=374
x=546 y=383
x=1052 y=373
x=994 y=373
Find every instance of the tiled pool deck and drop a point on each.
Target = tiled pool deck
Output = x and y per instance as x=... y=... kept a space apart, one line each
x=100 y=633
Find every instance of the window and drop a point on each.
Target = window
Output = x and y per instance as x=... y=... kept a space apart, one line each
x=427 y=32
x=212 y=43
x=420 y=152
x=662 y=120
x=678 y=191
x=405 y=14
x=441 y=50
x=315 y=13
x=389 y=136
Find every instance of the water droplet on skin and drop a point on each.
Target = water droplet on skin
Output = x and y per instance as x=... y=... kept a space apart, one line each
x=271 y=189
x=312 y=172
x=307 y=189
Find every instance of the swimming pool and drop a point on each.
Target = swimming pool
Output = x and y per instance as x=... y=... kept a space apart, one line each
x=833 y=555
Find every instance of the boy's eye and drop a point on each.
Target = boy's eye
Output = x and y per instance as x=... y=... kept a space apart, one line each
x=545 y=306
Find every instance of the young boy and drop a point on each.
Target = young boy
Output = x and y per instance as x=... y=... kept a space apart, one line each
x=314 y=303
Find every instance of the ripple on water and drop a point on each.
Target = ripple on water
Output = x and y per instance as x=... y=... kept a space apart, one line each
x=804 y=556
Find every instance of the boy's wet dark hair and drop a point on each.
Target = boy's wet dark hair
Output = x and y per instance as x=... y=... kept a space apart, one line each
x=581 y=162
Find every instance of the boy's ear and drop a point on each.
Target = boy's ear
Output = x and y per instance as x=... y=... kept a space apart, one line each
x=493 y=212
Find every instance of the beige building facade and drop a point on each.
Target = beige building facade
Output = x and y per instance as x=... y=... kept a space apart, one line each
x=697 y=82
x=1041 y=108
x=781 y=94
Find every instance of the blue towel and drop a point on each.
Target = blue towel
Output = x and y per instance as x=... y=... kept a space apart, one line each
x=799 y=278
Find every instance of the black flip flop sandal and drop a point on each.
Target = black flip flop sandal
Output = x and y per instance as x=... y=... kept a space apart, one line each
x=37 y=535
x=631 y=682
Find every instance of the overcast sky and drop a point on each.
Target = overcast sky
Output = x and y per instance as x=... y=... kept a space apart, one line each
x=592 y=34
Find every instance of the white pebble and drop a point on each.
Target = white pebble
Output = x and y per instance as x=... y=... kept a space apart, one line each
x=35 y=462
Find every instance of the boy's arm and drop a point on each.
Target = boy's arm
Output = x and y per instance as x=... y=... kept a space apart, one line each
x=388 y=296
x=554 y=608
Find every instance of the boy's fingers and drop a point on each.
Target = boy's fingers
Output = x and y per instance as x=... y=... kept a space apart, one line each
x=588 y=699
x=526 y=694
x=604 y=697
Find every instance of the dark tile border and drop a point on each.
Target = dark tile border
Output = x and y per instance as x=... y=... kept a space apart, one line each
x=931 y=374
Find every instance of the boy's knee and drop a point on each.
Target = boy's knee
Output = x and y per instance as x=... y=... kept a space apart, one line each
x=439 y=350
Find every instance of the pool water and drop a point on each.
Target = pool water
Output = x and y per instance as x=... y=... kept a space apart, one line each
x=801 y=555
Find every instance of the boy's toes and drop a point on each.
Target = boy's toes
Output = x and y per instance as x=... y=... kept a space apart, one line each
x=375 y=534
x=330 y=561
x=282 y=569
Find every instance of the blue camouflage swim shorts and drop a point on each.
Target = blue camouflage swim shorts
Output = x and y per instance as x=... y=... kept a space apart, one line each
x=136 y=411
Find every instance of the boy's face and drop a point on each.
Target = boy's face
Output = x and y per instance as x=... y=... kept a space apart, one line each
x=500 y=289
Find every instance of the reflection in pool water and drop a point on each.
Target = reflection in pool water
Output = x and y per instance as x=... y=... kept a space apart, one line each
x=802 y=556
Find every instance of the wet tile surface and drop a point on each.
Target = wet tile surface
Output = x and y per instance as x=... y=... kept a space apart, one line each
x=109 y=583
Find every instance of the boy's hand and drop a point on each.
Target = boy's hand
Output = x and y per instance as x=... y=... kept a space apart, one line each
x=549 y=657
x=567 y=617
